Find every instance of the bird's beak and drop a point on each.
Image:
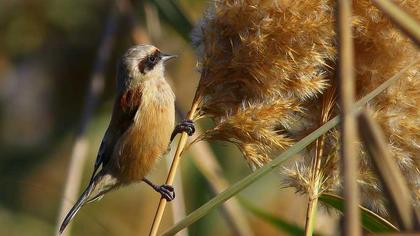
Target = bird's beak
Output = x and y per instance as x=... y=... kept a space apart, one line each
x=166 y=57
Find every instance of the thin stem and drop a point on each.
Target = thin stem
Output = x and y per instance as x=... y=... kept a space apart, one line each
x=172 y=170
x=328 y=101
x=178 y=204
x=349 y=150
x=311 y=215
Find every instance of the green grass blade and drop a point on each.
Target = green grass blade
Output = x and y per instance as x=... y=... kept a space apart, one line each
x=371 y=221
x=293 y=150
x=175 y=17
x=291 y=229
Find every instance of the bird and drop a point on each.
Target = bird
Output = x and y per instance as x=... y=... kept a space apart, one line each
x=140 y=130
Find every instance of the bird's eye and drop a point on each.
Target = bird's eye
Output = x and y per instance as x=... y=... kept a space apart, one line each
x=152 y=59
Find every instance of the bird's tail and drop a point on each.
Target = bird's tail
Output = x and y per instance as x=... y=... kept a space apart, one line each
x=82 y=200
x=97 y=187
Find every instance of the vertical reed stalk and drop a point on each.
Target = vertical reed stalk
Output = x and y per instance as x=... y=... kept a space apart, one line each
x=178 y=204
x=232 y=210
x=80 y=148
x=172 y=171
x=349 y=150
x=311 y=214
x=154 y=32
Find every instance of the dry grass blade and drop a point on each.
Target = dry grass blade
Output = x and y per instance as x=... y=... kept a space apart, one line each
x=403 y=20
x=390 y=175
x=349 y=151
x=94 y=92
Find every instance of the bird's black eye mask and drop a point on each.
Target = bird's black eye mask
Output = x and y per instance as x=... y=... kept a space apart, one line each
x=149 y=62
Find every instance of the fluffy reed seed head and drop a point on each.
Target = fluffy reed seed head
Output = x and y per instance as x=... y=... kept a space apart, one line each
x=266 y=65
x=256 y=77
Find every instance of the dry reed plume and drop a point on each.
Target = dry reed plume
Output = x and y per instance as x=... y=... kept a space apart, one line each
x=256 y=77
x=267 y=81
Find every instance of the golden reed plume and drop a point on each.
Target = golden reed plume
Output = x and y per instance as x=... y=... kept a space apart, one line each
x=268 y=69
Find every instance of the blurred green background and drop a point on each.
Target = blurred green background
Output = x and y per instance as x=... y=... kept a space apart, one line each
x=47 y=53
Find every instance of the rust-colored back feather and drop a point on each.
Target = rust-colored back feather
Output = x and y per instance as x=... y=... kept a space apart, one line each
x=131 y=99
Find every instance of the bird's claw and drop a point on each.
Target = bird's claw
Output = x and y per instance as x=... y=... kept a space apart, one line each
x=186 y=126
x=167 y=192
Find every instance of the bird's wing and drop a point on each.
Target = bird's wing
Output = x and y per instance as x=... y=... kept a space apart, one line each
x=125 y=109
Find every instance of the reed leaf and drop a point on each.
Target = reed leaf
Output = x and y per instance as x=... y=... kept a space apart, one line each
x=293 y=150
x=371 y=221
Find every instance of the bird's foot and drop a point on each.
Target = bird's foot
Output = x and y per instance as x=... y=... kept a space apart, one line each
x=167 y=192
x=186 y=126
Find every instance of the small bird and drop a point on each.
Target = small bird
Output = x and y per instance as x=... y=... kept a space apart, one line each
x=140 y=130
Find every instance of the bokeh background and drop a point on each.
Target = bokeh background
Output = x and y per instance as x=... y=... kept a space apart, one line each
x=48 y=51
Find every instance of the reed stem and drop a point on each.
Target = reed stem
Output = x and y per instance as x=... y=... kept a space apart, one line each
x=311 y=215
x=172 y=171
x=328 y=101
x=349 y=150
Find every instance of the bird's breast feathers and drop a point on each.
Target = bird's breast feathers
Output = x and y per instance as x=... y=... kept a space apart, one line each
x=148 y=137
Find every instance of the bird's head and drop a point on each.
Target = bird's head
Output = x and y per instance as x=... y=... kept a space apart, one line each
x=140 y=63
